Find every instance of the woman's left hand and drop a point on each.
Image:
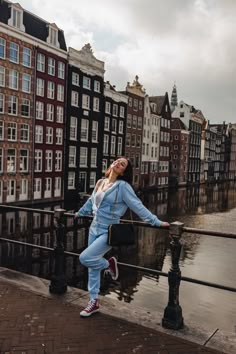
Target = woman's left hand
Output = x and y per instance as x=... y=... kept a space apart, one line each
x=165 y=224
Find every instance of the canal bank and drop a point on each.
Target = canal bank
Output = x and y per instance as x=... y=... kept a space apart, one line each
x=19 y=288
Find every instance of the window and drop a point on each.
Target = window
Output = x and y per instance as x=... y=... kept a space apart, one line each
x=85 y=101
x=60 y=113
x=74 y=98
x=51 y=90
x=96 y=104
x=13 y=79
x=26 y=83
x=83 y=157
x=12 y=105
x=1 y=130
x=2 y=48
x=121 y=127
x=38 y=161
x=108 y=107
x=134 y=122
x=84 y=130
x=11 y=160
x=61 y=70
x=2 y=76
x=57 y=187
x=92 y=180
x=119 y=146
x=14 y=52
x=72 y=156
x=86 y=82
x=60 y=93
x=129 y=121
x=135 y=104
x=16 y=18
x=73 y=128
x=51 y=66
x=106 y=144
x=50 y=112
x=104 y=165
x=94 y=132
x=53 y=36
x=113 y=145
x=1 y=160
x=122 y=111
x=48 y=187
x=93 y=157
x=41 y=62
x=133 y=140
x=130 y=102
x=24 y=132
x=40 y=87
x=75 y=79
x=48 y=160
x=115 y=110
x=140 y=105
x=25 y=107
x=37 y=188
x=139 y=122
x=24 y=160
x=58 y=160
x=59 y=136
x=26 y=57
x=114 y=125
x=38 y=134
x=138 y=143
x=128 y=139
x=107 y=124
x=11 y=190
x=49 y=135
x=39 y=110
x=2 y=103
x=97 y=87
x=71 y=180
x=23 y=189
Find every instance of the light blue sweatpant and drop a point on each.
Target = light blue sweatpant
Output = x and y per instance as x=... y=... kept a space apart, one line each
x=92 y=257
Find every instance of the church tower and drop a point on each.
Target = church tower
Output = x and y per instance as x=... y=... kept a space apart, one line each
x=174 y=99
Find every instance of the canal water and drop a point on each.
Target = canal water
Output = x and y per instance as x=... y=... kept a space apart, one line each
x=202 y=257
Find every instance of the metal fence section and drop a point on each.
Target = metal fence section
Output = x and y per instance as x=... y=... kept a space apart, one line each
x=173 y=317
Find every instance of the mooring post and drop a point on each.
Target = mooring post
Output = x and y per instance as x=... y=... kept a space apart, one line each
x=58 y=281
x=173 y=318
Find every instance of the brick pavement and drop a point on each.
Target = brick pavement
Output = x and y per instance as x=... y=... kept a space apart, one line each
x=35 y=324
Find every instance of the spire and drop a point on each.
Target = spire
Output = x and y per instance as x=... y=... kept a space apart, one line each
x=174 y=98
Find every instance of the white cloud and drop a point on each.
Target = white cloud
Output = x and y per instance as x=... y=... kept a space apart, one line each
x=187 y=41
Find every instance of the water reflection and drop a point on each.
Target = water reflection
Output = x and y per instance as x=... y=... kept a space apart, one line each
x=210 y=207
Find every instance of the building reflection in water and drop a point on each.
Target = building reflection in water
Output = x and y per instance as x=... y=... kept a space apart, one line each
x=150 y=250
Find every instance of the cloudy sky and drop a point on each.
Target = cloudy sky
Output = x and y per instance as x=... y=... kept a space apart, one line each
x=190 y=42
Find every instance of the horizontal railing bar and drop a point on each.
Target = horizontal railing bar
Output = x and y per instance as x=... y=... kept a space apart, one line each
x=209 y=232
x=143 y=269
x=27 y=209
x=26 y=244
x=206 y=283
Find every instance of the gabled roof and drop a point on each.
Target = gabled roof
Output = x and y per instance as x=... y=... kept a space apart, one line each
x=159 y=101
x=34 y=25
x=177 y=123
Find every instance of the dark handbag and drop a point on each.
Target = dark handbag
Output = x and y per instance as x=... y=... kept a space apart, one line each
x=121 y=235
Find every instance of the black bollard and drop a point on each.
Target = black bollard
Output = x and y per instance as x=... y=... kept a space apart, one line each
x=173 y=318
x=58 y=281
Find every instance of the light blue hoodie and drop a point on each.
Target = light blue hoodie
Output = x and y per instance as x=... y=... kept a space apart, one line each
x=114 y=204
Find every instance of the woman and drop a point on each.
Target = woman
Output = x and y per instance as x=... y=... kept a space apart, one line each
x=109 y=201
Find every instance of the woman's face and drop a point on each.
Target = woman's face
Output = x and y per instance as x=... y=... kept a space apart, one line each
x=119 y=166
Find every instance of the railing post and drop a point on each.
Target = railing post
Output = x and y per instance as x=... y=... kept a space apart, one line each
x=173 y=318
x=58 y=281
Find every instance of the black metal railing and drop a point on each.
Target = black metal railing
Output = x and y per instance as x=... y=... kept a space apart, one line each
x=173 y=317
